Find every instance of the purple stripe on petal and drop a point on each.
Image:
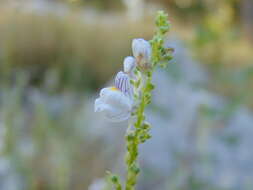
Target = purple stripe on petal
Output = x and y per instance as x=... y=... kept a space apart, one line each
x=122 y=82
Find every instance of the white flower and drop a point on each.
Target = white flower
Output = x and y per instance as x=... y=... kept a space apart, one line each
x=142 y=52
x=116 y=102
x=129 y=64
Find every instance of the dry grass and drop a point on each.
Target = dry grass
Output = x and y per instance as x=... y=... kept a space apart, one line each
x=83 y=52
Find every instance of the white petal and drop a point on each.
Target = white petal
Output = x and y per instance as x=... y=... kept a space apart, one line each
x=142 y=48
x=116 y=98
x=116 y=114
x=99 y=105
x=129 y=64
x=114 y=105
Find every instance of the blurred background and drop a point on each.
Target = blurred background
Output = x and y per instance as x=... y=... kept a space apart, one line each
x=55 y=56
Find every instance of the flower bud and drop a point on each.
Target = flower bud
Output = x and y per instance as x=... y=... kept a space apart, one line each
x=114 y=179
x=129 y=64
x=142 y=52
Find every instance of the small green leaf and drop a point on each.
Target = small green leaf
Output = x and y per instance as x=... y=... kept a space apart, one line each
x=137 y=83
x=150 y=87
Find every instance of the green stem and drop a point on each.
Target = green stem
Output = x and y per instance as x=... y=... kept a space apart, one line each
x=136 y=137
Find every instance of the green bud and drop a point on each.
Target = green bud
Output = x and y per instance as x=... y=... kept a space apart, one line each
x=130 y=136
x=149 y=74
x=135 y=169
x=146 y=125
x=150 y=87
x=148 y=136
x=114 y=179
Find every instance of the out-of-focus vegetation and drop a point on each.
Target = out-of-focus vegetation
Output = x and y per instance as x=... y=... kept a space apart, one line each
x=49 y=63
x=77 y=53
x=70 y=47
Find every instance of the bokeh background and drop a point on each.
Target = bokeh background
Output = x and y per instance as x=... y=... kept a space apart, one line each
x=55 y=55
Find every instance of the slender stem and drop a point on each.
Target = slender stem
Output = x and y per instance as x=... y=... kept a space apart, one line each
x=133 y=139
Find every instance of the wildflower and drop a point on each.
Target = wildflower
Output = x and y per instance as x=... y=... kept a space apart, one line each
x=116 y=102
x=142 y=53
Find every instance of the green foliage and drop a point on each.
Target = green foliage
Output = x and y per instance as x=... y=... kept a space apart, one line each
x=160 y=54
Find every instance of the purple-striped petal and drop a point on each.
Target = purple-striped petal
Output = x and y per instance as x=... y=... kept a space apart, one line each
x=122 y=82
